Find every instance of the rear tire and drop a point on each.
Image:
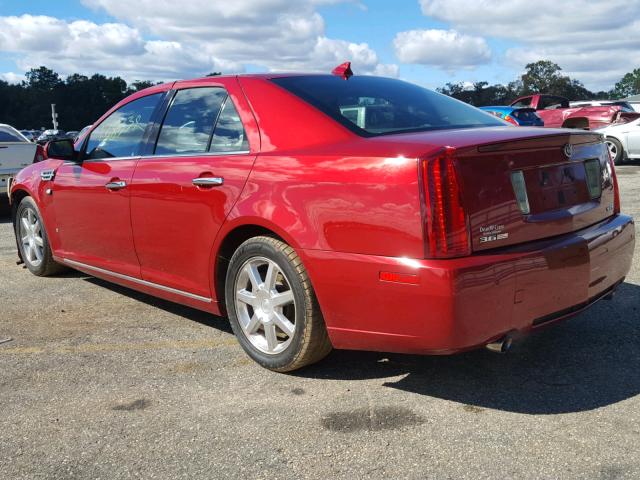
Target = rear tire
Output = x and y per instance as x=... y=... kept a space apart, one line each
x=272 y=307
x=615 y=149
x=32 y=240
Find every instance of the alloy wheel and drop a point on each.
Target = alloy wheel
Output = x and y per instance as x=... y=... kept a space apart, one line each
x=31 y=237
x=613 y=149
x=265 y=305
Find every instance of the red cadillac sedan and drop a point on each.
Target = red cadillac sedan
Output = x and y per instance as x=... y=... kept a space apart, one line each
x=328 y=211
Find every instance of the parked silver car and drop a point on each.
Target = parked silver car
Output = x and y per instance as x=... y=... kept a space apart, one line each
x=623 y=140
x=16 y=152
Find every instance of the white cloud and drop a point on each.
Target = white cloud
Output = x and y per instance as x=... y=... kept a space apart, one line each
x=158 y=40
x=445 y=49
x=595 y=42
x=273 y=34
x=12 y=77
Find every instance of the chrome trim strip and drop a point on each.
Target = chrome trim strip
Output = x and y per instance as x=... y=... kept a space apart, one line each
x=201 y=154
x=137 y=280
x=142 y=157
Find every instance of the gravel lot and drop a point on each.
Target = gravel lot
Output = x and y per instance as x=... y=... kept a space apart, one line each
x=103 y=382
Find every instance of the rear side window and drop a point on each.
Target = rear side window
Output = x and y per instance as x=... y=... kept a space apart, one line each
x=121 y=133
x=229 y=135
x=189 y=122
x=378 y=106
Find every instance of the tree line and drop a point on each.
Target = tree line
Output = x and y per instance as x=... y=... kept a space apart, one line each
x=539 y=77
x=80 y=100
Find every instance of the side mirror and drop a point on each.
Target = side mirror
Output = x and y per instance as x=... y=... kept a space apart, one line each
x=61 y=149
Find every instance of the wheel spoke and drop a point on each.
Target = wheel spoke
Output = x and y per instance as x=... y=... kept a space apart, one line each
x=38 y=241
x=25 y=240
x=284 y=324
x=254 y=276
x=270 y=334
x=253 y=324
x=270 y=277
x=38 y=253
x=27 y=251
x=30 y=217
x=247 y=297
x=26 y=226
x=282 y=299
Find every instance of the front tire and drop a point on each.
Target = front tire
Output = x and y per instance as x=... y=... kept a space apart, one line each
x=32 y=240
x=615 y=150
x=272 y=307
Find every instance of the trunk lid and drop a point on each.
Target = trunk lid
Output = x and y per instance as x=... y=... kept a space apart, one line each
x=523 y=189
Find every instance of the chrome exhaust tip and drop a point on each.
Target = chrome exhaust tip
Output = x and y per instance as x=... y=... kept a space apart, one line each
x=502 y=345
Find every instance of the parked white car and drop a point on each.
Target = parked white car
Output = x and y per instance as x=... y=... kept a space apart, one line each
x=623 y=140
x=16 y=152
x=626 y=106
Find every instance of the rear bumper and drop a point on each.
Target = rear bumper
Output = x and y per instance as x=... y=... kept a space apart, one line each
x=462 y=303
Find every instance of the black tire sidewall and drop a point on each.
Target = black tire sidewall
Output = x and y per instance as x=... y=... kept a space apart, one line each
x=262 y=249
x=47 y=258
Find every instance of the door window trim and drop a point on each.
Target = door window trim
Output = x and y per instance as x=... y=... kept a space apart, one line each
x=158 y=118
x=152 y=121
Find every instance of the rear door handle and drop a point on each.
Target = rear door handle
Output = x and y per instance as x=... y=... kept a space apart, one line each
x=208 y=181
x=116 y=185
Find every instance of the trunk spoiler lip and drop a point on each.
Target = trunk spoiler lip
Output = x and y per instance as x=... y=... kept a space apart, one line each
x=541 y=142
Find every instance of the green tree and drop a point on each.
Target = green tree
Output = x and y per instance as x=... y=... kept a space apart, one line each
x=545 y=76
x=628 y=85
x=42 y=78
x=140 y=85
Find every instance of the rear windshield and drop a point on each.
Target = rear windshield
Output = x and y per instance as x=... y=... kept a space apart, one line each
x=378 y=106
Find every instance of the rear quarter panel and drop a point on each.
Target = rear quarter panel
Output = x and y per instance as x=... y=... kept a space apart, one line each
x=368 y=205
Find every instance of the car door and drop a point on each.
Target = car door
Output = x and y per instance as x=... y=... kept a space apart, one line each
x=633 y=139
x=183 y=190
x=91 y=196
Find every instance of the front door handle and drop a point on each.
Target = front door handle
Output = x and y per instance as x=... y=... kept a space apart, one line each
x=208 y=181
x=116 y=185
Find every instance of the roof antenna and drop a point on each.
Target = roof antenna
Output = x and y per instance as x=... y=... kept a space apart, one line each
x=343 y=70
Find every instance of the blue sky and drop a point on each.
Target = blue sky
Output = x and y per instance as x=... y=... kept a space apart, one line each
x=429 y=42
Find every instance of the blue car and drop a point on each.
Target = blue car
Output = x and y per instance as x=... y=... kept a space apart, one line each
x=523 y=117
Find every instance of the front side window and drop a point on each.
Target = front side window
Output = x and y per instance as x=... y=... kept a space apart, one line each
x=378 y=106
x=122 y=132
x=189 y=122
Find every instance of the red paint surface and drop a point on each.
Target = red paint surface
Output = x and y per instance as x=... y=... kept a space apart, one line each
x=352 y=208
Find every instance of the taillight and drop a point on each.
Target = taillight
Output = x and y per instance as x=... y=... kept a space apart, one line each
x=510 y=119
x=445 y=221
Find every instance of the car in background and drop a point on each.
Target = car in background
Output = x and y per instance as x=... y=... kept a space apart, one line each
x=332 y=211
x=523 y=117
x=72 y=134
x=16 y=152
x=623 y=140
x=625 y=106
x=49 y=135
x=29 y=135
x=81 y=133
x=556 y=112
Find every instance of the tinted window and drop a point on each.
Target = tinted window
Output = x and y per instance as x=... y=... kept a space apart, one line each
x=552 y=103
x=229 y=135
x=188 y=125
x=9 y=137
x=121 y=133
x=374 y=105
x=525 y=102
